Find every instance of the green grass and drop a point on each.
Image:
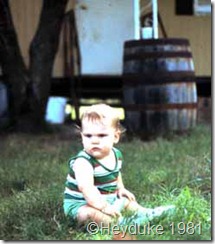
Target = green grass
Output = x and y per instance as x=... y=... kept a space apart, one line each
x=175 y=170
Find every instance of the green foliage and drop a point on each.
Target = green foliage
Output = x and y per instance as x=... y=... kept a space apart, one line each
x=174 y=170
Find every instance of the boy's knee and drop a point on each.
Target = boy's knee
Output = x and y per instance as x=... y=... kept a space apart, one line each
x=84 y=213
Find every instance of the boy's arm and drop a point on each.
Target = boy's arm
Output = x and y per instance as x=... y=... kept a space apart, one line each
x=122 y=191
x=84 y=176
x=85 y=180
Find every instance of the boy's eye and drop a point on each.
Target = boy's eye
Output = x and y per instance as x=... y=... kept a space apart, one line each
x=99 y=135
x=102 y=135
x=88 y=135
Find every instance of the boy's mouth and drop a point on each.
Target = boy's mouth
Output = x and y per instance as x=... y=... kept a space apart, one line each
x=95 y=149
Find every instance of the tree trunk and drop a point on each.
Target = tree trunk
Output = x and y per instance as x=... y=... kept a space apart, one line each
x=11 y=61
x=30 y=88
x=42 y=53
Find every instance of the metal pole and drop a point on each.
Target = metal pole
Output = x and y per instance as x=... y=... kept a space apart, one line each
x=136 y=4
x=155 y=18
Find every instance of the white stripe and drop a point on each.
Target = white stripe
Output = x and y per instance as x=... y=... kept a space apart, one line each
x=73 y=193
x=71 y=180
x=100 y=171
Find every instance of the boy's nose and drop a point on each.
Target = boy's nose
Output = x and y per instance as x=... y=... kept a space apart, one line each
x=95 y=139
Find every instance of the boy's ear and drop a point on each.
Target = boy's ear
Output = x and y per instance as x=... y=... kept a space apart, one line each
x=117 y=136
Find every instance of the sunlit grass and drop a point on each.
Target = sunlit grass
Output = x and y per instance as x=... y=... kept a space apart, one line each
x=33 y=169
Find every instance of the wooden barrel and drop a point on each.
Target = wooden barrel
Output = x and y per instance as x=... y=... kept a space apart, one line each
x=159 y=89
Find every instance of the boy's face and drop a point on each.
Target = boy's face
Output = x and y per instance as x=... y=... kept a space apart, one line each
x=98 y=138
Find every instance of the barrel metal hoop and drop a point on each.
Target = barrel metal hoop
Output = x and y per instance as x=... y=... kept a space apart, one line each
x=174 y=41
x=159 y=107
x=146 y=55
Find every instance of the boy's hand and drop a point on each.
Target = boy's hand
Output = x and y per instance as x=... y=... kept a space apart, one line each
x=110 y=210
x=122 y=192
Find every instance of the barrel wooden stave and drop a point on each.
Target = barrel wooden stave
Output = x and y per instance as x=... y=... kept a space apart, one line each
x=158 y=86
x=161 y=107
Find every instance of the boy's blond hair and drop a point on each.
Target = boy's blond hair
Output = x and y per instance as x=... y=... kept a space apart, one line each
x=100 y=112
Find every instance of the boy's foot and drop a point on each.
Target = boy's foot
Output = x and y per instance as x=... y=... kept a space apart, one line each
x=162 y=211
x=151 y=213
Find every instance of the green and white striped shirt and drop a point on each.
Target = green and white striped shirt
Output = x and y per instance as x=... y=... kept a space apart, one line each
x=104 y=179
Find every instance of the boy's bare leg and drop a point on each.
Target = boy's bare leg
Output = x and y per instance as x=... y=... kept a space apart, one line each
x=87 y=213
x=134 y=206
x=147 y=214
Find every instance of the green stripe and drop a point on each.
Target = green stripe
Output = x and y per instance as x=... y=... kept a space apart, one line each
x=105 y=179
x=108 y=189
x=71 y=173
x=67 y=196
x=72 y=186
